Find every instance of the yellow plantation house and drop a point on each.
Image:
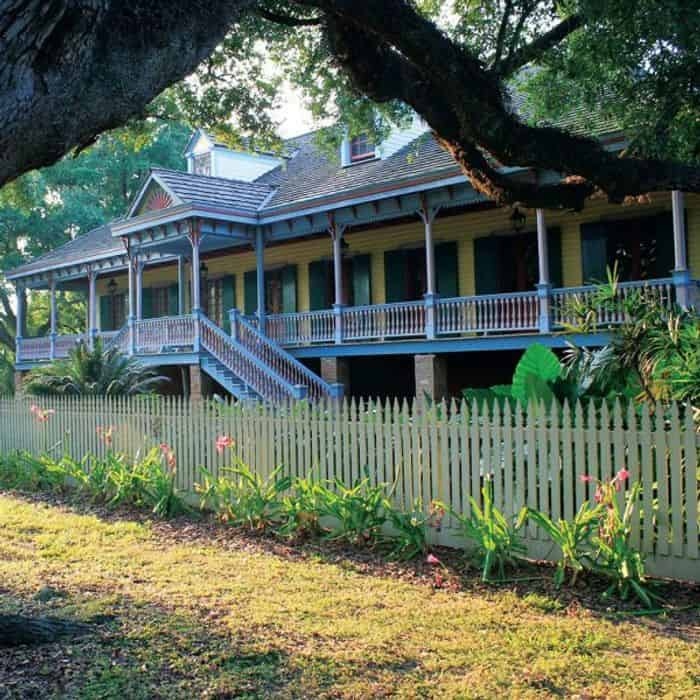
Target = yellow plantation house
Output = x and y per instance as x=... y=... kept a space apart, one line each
x=377 y=273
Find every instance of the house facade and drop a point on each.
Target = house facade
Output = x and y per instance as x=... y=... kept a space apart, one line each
x=377 y=273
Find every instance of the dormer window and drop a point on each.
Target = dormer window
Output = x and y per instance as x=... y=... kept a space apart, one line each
x=361 y=148
x=202 y=164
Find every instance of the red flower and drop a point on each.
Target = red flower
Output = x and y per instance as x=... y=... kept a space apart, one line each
x=224 y=441
x=598 y=495
x=433 y=560
x=105 y=434
x=586 y=478
x=622 y=475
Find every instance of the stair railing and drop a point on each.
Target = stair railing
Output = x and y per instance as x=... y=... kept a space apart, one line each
x=248 y=368
x=279 y=360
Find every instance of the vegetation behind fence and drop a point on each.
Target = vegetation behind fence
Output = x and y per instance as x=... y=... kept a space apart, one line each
x=440 y=452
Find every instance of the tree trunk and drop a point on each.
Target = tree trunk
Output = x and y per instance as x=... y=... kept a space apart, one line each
x=16 y=630
x=71 y=70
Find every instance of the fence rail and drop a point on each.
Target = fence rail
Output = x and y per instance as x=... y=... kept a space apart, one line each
x=442 y=452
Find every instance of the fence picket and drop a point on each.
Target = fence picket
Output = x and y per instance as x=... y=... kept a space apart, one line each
x=536 y=455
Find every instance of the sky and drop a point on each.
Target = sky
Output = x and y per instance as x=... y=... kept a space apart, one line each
x=292 y=116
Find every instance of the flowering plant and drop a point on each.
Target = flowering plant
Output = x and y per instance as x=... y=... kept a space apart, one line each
x=41 y=414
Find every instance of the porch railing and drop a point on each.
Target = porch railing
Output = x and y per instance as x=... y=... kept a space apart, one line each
x=565 y=300
x=302 y=328
x=278 y=360
x=488 y=313
x=399 y=320
x=167 y=333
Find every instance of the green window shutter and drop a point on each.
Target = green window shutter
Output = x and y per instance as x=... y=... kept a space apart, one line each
x=446 y=268
x=395 y=275
x=106 y=313
x=147 y=302
x=250 y=292
x=361 y=280
x=318 y=285
x=555 y=262
x=665 y=256
x=594 y=251
x=228 y=298
x=172 y=300
x=487 y=265
x=289 y=289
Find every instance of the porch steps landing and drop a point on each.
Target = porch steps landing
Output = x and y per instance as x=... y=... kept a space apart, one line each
x=228 y=380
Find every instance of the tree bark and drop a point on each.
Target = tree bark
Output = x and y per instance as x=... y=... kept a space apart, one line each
x=392 y=52
x=16 y=630
x=71 y=70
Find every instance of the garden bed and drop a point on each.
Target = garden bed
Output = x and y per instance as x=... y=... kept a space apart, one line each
x=189 y=608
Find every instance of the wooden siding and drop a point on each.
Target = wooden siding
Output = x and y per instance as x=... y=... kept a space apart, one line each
x=463 y=229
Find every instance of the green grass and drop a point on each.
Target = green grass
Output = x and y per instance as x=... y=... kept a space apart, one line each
x=234 y=619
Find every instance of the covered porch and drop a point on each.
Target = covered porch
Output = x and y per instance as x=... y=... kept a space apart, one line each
x=187 y=240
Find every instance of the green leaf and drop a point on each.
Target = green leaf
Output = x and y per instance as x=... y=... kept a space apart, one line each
x=539 y=361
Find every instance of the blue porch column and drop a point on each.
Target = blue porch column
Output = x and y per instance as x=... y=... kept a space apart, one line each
x=336 y=231
x=428 y=214
x=180 y=285
x=544 y=286
x=52 y=318
x=92 y=308
x=196 y=283
x=681 y=273
x=260 y=276
x=139 y=288
x=20 y=317
x=133 y=262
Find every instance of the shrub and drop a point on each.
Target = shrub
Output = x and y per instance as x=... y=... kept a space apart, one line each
x=247 y=499
x=409 y=536
x=301 y=509
x=497 y=541
x=23 y=471
x=572 y=537
x=358 y=512
x=614 y=557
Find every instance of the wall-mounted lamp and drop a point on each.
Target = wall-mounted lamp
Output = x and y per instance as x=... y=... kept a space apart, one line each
x=112 y=286
x=517 y=220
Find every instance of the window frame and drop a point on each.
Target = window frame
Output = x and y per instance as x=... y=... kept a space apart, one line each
x=197 y=159
x=364 y=155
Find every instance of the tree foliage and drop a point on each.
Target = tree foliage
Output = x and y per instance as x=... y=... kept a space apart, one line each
x=46 y=208
x=366 y=63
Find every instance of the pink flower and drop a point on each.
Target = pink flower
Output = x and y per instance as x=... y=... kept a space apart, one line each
x=598 y=495
x=224 y=441
x=432 y=560
x=168 y=453
x=105 y=434
x=586 y=478
x=622 y=475
x=42 y=415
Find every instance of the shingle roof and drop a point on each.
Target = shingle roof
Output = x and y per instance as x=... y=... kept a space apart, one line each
x=310 y=173
x=96 y=243
x=307 y=174
x=221 y=191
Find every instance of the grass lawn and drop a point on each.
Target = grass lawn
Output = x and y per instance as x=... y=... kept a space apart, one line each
x=189 y=610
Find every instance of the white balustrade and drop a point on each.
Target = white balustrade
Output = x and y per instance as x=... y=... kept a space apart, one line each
x=399 y=320
x=155 y=335
x=35 y=349
x=488 y=313
x=302 y=328
x=566 y=300
x=65 y=343
x=269 y=353
x=239 y=361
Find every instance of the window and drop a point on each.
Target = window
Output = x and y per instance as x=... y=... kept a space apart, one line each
x=160 y=302
x=215 y=301
x=361 y=148
x=118 y=310
x=202 y=164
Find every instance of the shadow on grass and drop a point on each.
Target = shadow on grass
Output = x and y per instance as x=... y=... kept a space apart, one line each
x=532 y=582
x=142 y=651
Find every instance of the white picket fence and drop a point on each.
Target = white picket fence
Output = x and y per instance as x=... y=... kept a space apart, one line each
x=444 y=452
